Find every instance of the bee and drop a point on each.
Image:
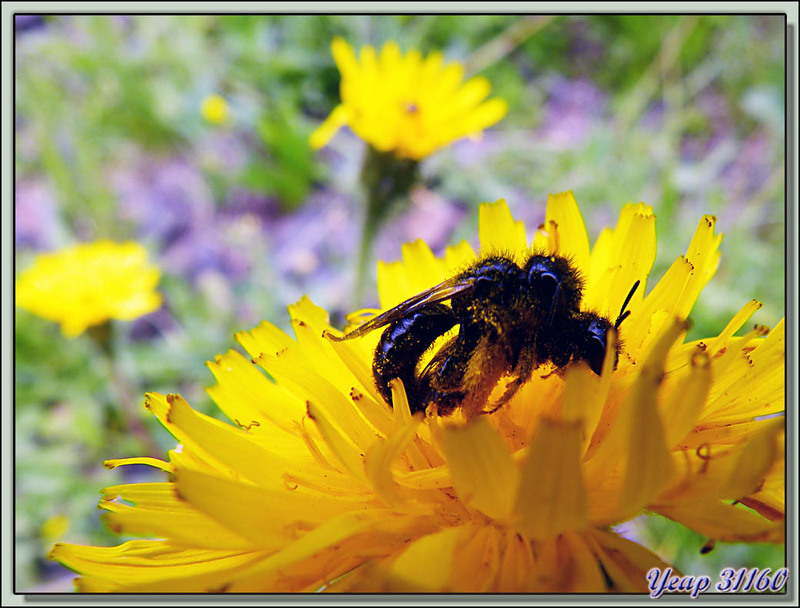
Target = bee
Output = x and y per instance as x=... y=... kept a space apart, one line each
x=510 y=319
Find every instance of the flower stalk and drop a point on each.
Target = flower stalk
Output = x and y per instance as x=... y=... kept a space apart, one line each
x=122 y=391
x=386 y=181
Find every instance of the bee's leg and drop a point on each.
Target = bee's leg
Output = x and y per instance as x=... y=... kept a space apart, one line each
x=511 y=389
x=401 y=346
x=445 y=402
x=442 y=381
x=446 y=395
x=445 y=372
x=525 y=364
x=471 y=370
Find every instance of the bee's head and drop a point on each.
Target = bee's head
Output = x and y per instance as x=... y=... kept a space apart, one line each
x=591 y=335
x=554 y=284
x=591 y=340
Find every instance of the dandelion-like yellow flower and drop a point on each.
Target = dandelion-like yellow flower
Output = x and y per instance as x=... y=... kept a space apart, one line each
x=215 y=109
x=405 y=104
x=88 y=284
x=55 y=527
x=321 y=485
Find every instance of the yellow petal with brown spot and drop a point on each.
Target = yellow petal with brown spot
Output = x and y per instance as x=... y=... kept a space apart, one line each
x=567 y=225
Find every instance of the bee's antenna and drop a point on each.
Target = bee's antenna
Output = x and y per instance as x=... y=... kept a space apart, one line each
x=623 y=314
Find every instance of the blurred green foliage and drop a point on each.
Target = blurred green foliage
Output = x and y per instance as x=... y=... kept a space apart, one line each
x=683 y=112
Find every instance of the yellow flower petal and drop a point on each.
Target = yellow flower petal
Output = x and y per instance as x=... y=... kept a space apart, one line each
x=266 y=338
x=322 y=135
x=715 y=472
x=320 y=552
x=678 y=291
x=620 y=258
x=683 y=406
x=393 y=286
x=637 y=442
x=286 y=512
x=476 y=560
x=625 y=564
x=741 y=317
x=724 y=522
x=251 y=399
x=54 y=527
x=585 y=395
x=158 y=512
x=752 y=462
x=566 y=230
x=566 y=563
x=649 y=317
x=770 y=498
x=516 y=568
x=381 y=455
x=292 y=371
x=342 y=446
x=552 y=495
x=113 y=463
x=483 y=473
x=704 y=255
x=499 y=233
x=152 y=566
x=423 y=268
x=370 y=403
x=458 y=257
x=230 y=450
x=344 y=57
x=425 y=564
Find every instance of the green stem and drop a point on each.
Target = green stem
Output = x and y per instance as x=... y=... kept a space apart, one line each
x=123 y=392
x=386 y=179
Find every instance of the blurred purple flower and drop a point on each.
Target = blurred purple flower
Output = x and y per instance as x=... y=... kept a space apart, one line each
x=573 y=107
x=171 y=204
x=35 y=220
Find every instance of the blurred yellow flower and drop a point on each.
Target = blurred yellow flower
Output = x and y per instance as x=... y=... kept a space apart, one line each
x=320 y=485
x=406 y=105
x=55 y=527
x=88 y=284
x=215 y=109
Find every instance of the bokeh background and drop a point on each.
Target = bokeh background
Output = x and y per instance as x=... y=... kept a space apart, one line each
x=683 y=112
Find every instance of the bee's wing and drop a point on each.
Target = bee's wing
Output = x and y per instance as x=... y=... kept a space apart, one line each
x=441 y=292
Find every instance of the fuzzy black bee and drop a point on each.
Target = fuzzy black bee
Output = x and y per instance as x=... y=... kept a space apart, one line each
x=510 y=319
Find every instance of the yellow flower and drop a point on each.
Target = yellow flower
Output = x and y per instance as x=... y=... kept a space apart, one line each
x=406 y=104
x=321 y=485
x=55 y=527
x=215 y=109
x=88 y=284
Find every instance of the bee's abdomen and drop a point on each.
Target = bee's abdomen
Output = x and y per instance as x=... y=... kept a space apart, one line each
x=402 y=345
